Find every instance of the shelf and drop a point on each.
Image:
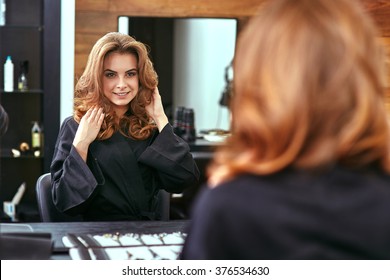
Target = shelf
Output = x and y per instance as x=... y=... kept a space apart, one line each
x=32 y=32
x=7 y=154
x=19 y=92
x=15 y=26
x=26 y=212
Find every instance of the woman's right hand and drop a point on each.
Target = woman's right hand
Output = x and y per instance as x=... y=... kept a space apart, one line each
x=88 y=130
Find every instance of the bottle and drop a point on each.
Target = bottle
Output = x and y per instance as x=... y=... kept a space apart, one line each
x=22 y=80
x=2 y=12
x=189 y=124
x=178 y=122
x=8 y=74
x=36 y=137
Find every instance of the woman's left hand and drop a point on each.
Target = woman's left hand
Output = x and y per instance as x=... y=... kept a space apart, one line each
x=156 y=110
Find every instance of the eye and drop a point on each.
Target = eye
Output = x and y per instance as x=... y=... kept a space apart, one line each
x=131 y=73
x=109 y=74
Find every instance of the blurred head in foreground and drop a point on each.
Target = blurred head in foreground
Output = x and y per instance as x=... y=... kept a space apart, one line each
x=309 y=91
x=305 y=174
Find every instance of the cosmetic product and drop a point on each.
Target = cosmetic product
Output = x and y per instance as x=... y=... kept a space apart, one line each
x=8 y=74
x=189 y=125
x=178 y=122
x=36 y=137
x=22 y=80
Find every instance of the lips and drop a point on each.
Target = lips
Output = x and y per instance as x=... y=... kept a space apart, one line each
x=121 y=93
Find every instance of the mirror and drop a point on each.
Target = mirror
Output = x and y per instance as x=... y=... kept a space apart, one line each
x=190 y=56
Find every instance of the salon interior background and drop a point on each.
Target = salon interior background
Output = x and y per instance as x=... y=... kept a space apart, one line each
x=204 y=47
x=83 y=21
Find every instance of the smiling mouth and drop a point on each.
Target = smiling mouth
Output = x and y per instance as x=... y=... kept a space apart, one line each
x=121 y=93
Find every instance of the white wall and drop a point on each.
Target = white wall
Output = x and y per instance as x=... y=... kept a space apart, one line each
x=203 y=48
x=67 y=57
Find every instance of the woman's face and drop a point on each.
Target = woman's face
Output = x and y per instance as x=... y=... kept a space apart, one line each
x=120 y=80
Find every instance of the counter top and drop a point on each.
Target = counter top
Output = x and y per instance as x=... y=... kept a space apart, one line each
x=59 y=230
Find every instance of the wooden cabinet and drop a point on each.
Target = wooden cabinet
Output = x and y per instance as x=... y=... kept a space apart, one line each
x=29 y=34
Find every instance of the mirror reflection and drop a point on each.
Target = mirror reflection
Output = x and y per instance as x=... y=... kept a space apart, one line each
x=191 y=56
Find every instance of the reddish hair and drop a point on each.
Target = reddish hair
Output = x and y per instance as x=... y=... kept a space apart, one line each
x=89 y=89
x=309 y=81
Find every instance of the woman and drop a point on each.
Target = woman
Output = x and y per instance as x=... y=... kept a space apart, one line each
x=118 y=150
x=305 y=174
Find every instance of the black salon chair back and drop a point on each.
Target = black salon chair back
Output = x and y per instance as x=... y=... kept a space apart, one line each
x=164 y=205
x=49 y=213
x=47 y=209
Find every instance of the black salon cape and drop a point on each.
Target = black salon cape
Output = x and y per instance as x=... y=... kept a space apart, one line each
x=338 y=214
x=122 y=176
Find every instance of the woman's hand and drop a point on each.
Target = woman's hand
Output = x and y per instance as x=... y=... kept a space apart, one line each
x=88 y=130
x=156 y=110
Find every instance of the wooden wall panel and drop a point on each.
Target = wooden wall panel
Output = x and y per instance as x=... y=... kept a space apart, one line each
x=94 y=18
x=93 y=5
x=95 y=22
x=188 y=8
x=170 y=8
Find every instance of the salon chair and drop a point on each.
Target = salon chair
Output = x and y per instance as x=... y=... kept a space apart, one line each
x=181 y=204
x=49 y=213
x=47 y=210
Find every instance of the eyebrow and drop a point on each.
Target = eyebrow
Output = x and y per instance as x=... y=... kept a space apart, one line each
x=133 y=69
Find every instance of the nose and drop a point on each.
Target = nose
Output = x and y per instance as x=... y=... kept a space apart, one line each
x=121 y=83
